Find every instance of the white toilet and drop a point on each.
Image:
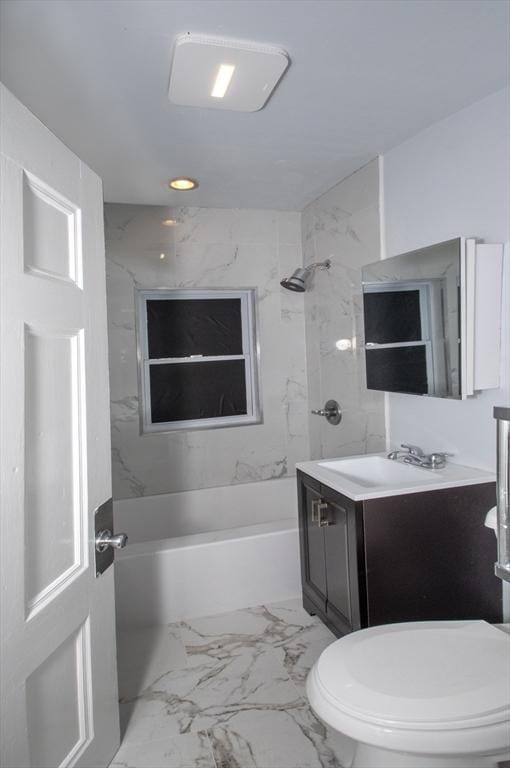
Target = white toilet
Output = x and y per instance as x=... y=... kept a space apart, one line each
x=418 y=694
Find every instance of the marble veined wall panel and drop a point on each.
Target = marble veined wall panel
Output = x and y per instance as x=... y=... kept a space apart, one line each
x=210 y=248
x=341 y=225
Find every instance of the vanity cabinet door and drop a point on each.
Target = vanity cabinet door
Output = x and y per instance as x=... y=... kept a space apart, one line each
x=332 y=566
x=343 y=600
x=311 y=536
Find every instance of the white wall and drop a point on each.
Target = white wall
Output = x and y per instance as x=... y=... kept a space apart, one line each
x=450 y=180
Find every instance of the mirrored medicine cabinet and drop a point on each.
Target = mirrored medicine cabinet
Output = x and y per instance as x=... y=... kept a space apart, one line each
x=431 y=320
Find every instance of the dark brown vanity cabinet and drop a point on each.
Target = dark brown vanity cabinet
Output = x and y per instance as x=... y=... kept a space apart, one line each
x=414 y=557
x=331 y=558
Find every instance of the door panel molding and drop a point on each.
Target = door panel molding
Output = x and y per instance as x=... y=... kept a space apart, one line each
x=57 y=653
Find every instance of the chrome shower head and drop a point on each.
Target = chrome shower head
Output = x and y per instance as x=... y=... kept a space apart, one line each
x=297 y=281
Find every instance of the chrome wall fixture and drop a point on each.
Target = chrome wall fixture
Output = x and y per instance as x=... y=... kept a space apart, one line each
x=297 y=281
x=331 y=412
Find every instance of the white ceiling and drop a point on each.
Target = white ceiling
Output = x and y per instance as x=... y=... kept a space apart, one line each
x=364 y=76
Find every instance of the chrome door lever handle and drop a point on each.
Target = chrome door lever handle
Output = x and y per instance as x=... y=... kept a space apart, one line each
x=106 y=538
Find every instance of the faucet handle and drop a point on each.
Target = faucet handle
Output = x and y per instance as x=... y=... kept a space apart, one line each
x=414 y=450
x=437 y=459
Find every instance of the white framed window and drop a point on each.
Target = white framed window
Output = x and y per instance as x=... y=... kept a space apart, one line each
x=198 y=359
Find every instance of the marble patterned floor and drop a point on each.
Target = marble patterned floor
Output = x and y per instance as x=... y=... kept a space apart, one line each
x=225 y=692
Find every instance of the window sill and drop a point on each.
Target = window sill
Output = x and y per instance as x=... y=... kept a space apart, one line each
x=200 y=424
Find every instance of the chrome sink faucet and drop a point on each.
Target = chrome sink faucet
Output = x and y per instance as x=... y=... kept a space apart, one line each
x=413 y=454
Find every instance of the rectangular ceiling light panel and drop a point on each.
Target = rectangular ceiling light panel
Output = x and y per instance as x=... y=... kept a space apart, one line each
x=224 y=74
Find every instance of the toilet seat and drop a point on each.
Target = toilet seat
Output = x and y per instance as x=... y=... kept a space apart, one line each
x=436 y=686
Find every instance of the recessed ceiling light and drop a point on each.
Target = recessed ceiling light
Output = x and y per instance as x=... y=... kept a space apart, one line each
x=183 y=184
x=224 y=74
x=222 y=81
x=169 y=222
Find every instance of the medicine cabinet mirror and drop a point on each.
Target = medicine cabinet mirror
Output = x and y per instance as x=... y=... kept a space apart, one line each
x=432 y=319
x=412 y=317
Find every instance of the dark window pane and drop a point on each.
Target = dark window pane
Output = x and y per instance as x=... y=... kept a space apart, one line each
x=392 y=317
x=398 y=369
x=184 y=327
x=182 y=391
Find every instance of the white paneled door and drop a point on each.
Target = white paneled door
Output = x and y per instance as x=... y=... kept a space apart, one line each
x=58 y=673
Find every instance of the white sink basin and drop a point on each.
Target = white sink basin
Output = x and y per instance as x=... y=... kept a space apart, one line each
x=375 y=476
x=378 y=471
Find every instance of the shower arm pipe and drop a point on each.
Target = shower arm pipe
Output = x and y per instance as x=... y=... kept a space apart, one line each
x=318 y=265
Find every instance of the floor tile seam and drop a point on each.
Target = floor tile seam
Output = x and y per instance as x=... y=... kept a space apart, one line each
x=299 y=709
x=179 y=626
x=211 y=748
x=259 y=648
x=240 y=650
x=158 y=741
x=253 y=707
x=289 y=622
x=127 y=742
x=288 y=674
x=269 y=608
x=176 y=630
x=315 y=624
x=223 y=713
x=307 y=710
x=223 y=764
x=211 y=662
x=272 y=652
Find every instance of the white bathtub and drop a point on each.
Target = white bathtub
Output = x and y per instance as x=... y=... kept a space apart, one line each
x=149 y=518
x=160 y=580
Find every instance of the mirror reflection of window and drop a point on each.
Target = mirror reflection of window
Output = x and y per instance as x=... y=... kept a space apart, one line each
x=411 y=317
x=392 y=314
x=397 y=338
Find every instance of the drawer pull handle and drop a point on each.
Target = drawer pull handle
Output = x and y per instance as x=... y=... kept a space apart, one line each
x=323 y=521
x=318 y=507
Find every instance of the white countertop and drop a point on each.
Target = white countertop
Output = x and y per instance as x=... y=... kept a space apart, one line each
x=420 y=479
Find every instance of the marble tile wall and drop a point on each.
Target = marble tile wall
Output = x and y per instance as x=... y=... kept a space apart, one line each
x=341 y=225
x=207 y=248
